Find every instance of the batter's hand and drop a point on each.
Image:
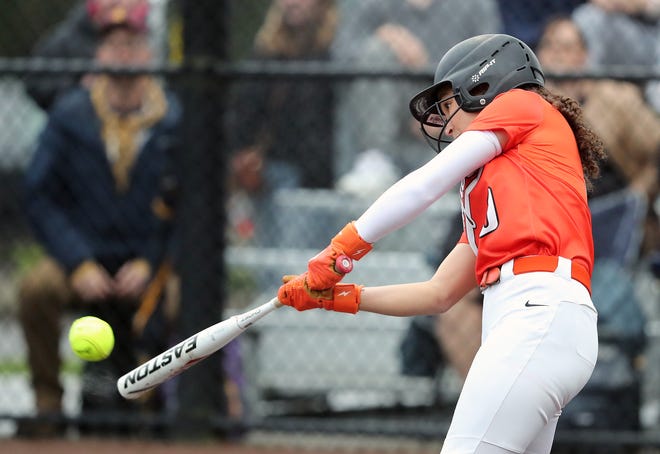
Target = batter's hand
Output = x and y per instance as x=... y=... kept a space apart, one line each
x=340 y=298
x=322 y=273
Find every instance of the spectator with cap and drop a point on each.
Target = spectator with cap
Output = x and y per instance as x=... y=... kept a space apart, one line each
x=91 y=198
x=76 y=37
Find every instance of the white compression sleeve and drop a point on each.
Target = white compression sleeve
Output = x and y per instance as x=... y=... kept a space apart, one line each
x=411 y=195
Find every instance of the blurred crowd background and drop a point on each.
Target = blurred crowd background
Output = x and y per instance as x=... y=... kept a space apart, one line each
x=164 y=162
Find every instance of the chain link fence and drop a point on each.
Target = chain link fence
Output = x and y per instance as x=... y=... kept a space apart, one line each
x=274 y=134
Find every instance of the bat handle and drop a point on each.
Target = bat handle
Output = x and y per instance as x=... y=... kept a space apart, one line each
x=343 y=264
x=248 y=318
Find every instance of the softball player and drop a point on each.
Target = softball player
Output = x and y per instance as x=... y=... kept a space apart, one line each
x=524 y=159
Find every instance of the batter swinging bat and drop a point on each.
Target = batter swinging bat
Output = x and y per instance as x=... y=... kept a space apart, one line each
x=197 y=347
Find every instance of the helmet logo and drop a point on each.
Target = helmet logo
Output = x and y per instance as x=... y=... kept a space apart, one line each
x=476 y=77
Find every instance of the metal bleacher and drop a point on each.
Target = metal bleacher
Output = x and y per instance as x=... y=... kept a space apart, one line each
x=338 y=361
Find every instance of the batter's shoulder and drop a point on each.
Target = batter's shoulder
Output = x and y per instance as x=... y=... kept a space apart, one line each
x=518 y=103
x=518 y=95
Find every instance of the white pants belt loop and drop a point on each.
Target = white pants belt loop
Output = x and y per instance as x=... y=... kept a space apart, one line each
x=506 y=270
x=564 y=268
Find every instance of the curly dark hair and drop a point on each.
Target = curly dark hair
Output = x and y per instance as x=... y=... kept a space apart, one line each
x=590 y=146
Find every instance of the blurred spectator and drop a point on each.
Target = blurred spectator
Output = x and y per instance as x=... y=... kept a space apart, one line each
x=379 y=142
x=623 y=33
x=620 y=32
x=525 y=20
x=628 y=126
x=373 y=114
x=630 y=131
x=282 y=128
x=77 y=38
x=90 y=188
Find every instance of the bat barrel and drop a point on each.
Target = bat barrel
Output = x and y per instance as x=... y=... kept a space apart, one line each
x=176 y=359
x=189 y=352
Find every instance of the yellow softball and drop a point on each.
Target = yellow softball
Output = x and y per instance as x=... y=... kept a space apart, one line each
x=91 y=338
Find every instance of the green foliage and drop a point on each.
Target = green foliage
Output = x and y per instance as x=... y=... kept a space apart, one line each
x=242 y=287
x=241 y=279
x=24 y=255
x=247 y=17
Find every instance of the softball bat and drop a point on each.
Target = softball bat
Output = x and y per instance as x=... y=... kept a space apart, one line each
x=189 y=352
x=197 y=347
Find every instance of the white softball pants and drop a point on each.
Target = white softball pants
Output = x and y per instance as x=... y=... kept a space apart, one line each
x=539 y=348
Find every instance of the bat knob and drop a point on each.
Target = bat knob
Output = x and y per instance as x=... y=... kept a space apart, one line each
x=343 y=264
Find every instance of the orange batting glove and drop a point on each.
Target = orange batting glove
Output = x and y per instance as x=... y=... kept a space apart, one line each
x=322 y=273
x=340 y=298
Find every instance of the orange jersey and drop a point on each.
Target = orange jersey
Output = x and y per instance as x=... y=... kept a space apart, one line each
x=531 y=199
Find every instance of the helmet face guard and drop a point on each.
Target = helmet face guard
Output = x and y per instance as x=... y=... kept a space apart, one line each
x=434 y=122
x=476 y=70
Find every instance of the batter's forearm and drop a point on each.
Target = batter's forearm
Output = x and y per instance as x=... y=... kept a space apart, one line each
x=404 y=300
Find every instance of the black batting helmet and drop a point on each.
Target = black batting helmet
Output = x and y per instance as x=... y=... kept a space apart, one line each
x=477 y=70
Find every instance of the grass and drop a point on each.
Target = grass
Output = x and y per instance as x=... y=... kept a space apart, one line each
x=24 y=255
